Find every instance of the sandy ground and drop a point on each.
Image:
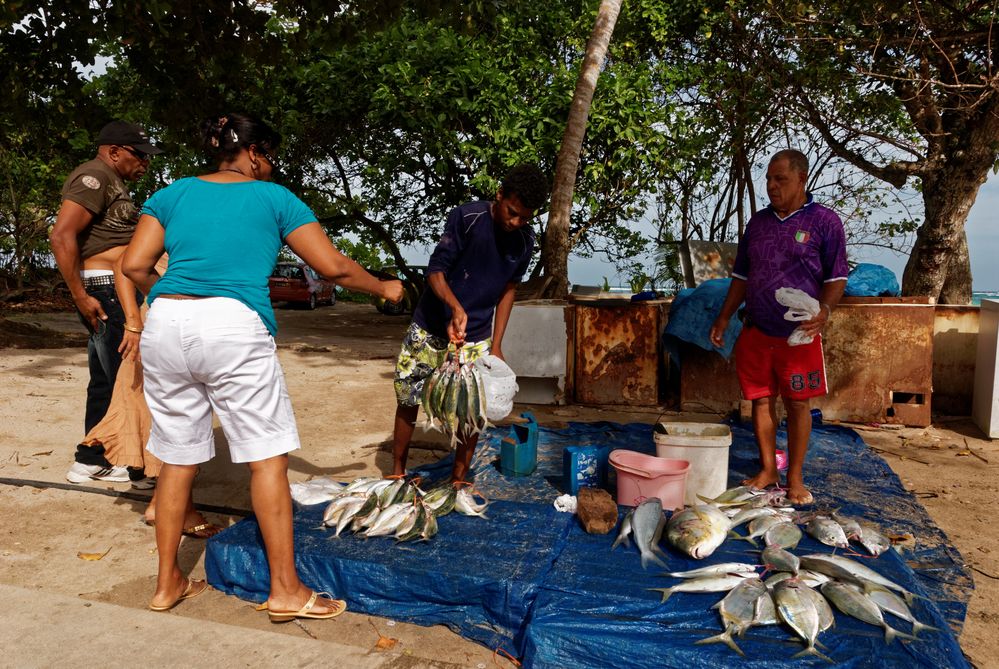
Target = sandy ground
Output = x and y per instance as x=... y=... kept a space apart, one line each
x=338 y=362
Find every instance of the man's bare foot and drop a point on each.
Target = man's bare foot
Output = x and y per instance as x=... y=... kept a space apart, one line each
x=798 y=495
x=763 y=479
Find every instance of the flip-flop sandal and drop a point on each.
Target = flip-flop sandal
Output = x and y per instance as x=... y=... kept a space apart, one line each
x=339 y=606
x=190 y=591
x=202 y=531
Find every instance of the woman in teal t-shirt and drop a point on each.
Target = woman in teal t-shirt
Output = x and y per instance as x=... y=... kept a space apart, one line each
x=208 y=344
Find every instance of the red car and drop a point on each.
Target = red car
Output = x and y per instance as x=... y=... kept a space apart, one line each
x=300 y=284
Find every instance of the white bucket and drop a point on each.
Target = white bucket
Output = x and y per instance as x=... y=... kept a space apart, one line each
x=705 y=446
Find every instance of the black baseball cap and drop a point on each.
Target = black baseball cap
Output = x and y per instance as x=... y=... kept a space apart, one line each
x=124 y=133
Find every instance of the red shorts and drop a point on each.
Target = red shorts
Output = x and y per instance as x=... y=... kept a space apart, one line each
x=768 y=366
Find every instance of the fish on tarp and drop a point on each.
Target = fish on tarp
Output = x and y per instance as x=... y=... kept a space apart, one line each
x=746 y=515
x=826 y=617
x=854 y=602
x=624 y=534
x=775 y=558
x=812 y=579
x=827 y=531
x=758 y=527
x=697 y=530
x=646 y=528
x=732 y=496
x=799 y=612
x=715 y=569
x=851 y=528
x=786 y=535
x=891 y=603
x=465 y=504
x=765 y=611
x=737 y=610
x=872 y=540
x=718 y=583
x=851 y=571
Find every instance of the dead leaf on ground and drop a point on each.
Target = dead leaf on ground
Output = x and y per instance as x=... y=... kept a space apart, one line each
x=93 y=556
x=384 y=642
x=34 y=455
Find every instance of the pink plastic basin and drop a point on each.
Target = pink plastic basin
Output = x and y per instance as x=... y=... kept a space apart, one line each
x=641 y=476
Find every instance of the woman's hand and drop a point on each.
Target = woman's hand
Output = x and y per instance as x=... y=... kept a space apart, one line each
x=393 y=291
x=129 y=347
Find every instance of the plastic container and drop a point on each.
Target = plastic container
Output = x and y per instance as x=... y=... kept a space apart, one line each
x=519 y=451
x=705 y=446
x=641 y=476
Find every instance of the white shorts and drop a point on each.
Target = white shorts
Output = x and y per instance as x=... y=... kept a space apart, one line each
x=213 y=354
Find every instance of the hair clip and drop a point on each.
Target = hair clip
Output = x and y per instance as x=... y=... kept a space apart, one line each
x=235 y=137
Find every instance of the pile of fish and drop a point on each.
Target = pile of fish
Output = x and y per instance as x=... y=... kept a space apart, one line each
x=371 y=507
x=802 y=597
x=800 y=591
x=454 y=398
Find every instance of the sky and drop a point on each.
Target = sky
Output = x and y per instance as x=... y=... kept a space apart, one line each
x=983 y=246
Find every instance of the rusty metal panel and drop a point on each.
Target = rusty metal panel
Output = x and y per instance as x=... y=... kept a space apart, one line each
x=879 y=365
x=955 y=341
x=616 y=353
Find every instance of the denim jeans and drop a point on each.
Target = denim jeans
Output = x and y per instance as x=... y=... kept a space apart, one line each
x=103 y=359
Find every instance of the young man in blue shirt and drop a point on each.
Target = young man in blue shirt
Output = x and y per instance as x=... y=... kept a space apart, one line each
x=472 y=274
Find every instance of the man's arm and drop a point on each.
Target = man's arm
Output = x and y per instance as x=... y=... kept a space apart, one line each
x=73 y=218
x=459 y=319
x=503 y=309
x=829 y=297
x=736 y=296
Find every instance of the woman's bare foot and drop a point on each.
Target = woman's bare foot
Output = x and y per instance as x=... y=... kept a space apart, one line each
x=763 y=479
x=322 y=607
x=179 y=589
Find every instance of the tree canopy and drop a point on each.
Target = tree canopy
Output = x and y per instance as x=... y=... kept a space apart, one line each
x=394 y=112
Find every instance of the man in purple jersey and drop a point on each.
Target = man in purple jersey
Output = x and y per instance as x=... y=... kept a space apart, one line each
x=793 y=243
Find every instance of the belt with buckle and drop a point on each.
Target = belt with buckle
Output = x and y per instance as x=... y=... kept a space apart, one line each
x=102 y=280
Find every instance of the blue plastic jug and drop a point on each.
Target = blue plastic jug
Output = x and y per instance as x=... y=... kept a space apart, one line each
x=519 y=451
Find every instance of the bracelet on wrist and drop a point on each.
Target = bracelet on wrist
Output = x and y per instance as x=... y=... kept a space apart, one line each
x=828 y=308
x=131 y=329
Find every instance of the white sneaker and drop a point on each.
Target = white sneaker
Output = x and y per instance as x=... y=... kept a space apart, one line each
x=81 y=473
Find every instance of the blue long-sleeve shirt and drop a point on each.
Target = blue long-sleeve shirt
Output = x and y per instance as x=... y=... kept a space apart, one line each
x=478 y=259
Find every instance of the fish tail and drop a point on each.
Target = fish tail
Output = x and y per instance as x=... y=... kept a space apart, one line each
x=652 y=557
x=918 y=627
x=891 y=634
x=725 y=638
x=811 y=650
x=666 y=593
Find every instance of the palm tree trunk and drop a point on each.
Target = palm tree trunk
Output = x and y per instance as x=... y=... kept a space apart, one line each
x=555 y=251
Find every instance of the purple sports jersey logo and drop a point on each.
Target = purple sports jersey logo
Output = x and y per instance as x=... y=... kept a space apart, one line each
x=801 y=237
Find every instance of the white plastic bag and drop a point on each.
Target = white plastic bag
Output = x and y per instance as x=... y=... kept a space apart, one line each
x=801 y=307
x=500 y=385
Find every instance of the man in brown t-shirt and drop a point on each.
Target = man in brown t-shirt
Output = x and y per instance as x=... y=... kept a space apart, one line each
x=94 y=225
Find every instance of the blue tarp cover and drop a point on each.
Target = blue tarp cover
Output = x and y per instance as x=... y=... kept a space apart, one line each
x=870 y=280
x=531 y=581
x=691 y=315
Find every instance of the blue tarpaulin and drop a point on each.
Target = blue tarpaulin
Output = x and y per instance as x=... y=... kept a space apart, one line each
x=691 y=315
x=531 y=581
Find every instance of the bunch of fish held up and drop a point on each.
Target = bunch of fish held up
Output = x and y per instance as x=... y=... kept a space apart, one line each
x=371 y=507
x=800 y=592
x=454 y=397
